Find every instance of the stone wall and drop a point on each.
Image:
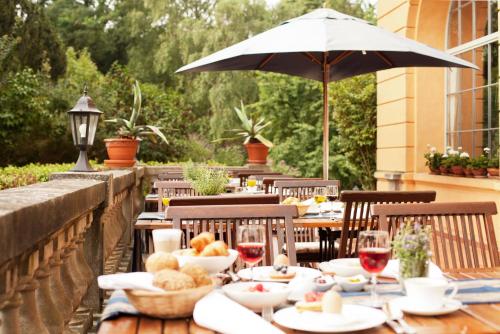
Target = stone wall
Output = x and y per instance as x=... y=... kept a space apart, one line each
x=56 y=238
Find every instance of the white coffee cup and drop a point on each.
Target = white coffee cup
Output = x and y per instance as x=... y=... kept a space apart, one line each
x=429 y=293
x=167 y=240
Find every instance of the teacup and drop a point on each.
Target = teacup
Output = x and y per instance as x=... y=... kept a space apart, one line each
x=429 y=293
x=167 y=240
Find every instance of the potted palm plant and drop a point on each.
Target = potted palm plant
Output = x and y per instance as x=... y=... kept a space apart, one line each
x=122 y=150
x=251 y=130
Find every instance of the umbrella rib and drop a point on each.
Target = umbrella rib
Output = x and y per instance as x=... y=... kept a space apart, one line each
x=341 y=57
x=384 y=58
x=266 y=60
x=311 y=57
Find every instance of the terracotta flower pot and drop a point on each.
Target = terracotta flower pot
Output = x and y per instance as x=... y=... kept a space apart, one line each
x=457 y=170
x=468 y=172
x=434 y=171
x=479 y=172
x=493 y=171
x=257 y=153
x=121 y=152
x=444 y=170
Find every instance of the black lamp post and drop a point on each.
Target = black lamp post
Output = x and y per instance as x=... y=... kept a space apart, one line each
x=83 y=119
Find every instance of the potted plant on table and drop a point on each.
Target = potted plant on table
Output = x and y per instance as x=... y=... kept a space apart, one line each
x=205 y=180
x=412 y=248
x=433 y=160
x=251 y=130
x=122 y=150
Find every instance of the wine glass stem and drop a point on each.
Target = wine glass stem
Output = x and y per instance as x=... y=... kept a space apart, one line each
x=373 y=294
x=251 y=273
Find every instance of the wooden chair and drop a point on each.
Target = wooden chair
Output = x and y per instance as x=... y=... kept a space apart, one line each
x=224 y=219
x=463 y=235
x=268 y=182
x=173 y=189
x=300 y=188
x=357 y=215
x=171 y=176
x=232 y=199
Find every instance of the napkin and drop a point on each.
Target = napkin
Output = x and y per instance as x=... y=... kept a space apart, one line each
x=219 y=313
x=392 y=270
x=136 y=280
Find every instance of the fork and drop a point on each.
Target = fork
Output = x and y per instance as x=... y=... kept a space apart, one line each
x=396 y=327
x=398 y=316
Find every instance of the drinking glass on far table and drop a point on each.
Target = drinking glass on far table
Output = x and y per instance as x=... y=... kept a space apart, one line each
x=167 y=240
x=251 y=184
x=332 y=194
x=320 y=197
x=374 y=252
x=251 y=244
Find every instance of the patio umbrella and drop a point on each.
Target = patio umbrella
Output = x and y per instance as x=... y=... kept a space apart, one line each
x=324 y=45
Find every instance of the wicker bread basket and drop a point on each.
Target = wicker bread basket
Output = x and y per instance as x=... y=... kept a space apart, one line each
x=168 y=304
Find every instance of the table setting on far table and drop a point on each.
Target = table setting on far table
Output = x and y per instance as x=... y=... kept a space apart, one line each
x=209 y=288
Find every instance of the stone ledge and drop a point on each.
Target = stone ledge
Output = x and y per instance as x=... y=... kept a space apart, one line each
x=32 y=213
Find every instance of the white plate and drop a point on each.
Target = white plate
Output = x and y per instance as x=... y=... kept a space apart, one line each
x=275 y=294
x=262 y=274
x=405 y=304
x=352 y=318
x=344 y=267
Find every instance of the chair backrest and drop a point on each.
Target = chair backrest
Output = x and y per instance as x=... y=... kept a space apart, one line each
x=301 y=188
x=224 y=220
x=231 y=199
x=171 y=176
x=173 y=189
x=463 y=234
x=357 y=216
x=268 y=182
x=246 y=174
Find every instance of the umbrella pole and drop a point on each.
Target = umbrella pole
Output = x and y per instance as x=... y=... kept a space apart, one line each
x=326 y=136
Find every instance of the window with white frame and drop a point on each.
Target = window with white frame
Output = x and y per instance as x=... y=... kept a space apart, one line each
x=472 y=95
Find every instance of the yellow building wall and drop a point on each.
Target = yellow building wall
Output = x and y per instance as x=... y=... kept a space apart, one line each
x=411 y=110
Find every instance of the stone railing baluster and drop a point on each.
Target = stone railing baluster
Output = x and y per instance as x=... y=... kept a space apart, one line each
x=51 y=316
x=30 y=320
x=10 y=300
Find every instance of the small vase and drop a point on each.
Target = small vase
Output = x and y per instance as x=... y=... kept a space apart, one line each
x=493 y=171
x=411 y=269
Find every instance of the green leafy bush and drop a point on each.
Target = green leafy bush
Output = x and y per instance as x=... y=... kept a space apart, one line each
x=12 y=176
x=205 y=180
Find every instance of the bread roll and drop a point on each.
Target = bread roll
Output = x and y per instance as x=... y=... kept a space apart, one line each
x=172 y=280
x=217 y=248
x=202 y=240
x=161 y=260
x=197 y=273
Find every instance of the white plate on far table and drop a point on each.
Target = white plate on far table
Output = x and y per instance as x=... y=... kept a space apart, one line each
x=262 y=274
x=406 y=305
x=352 y=318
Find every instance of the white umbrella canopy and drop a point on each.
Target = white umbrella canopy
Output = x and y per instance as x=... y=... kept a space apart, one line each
x=325 y=45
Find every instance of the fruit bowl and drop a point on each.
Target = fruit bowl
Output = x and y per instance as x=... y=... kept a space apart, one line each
x=212 y=264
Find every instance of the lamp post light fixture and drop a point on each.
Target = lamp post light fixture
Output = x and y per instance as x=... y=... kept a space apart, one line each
x=83 y=119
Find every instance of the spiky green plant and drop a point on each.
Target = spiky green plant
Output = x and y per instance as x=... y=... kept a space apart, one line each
x=128 y=127
x=251 y=128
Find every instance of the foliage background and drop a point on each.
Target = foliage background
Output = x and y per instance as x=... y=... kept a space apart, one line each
x=50 y=49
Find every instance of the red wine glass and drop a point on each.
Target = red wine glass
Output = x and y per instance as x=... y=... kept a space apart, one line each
x=251 y=244
x=374 y=253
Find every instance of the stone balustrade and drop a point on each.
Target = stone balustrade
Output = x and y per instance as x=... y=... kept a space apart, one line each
x=56 y=238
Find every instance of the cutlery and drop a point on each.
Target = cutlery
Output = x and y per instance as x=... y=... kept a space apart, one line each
x=391 y=320
x=398 y=316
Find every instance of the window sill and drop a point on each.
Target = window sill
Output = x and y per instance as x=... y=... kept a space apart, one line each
x=479 y=183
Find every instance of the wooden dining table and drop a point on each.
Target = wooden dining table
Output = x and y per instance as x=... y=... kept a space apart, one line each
x=476 y=318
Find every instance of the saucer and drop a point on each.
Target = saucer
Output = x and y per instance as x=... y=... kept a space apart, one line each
x=406 y=305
